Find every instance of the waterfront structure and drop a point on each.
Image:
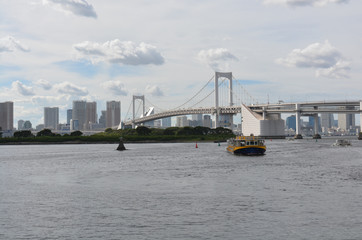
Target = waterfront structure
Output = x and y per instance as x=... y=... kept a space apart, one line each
x=51 y=117
x=69 y=115
x=7 y=116
x=265 y=125
x=113 y=115
x=78 y=115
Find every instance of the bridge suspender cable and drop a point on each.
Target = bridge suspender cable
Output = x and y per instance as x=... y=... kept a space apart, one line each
x=194 y=95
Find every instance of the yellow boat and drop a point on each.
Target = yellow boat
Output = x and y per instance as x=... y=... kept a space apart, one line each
x=246 y=145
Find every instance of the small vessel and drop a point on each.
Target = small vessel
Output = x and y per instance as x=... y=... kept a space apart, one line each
x=342 y=142
x=246 y=145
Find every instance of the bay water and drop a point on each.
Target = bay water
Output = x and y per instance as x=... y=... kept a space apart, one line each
x=302 y=189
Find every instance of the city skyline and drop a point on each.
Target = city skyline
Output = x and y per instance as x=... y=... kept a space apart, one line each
x=55 y=52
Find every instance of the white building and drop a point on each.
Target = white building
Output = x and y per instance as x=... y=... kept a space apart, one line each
x=270 y=125
x=181 y=121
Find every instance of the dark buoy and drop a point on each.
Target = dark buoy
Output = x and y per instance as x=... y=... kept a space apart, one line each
x=121 y=146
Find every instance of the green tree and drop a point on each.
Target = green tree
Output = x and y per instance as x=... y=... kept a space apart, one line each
x=45 y=132
x=108 y=130
x=142 y=130
x=199 y=130
x=24 y=133
x=171 y=131
x=186 y=131
x=76 y=133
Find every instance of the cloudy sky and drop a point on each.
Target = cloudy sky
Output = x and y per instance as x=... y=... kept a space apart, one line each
x=55 y=51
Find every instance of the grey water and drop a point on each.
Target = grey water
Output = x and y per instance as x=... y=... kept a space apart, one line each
x=302 y=189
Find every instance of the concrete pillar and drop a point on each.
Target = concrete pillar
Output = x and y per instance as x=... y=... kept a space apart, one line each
x=297 y=119
x=216 y=100
x=316 y=127
x=134 y=111
x=360 y=118
x=264 y=113
x=298 y=134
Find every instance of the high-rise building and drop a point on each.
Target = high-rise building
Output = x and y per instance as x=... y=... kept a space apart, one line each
x=207 y=122
x=181 y=121
x=327 y=121
x=20 y=124
x=7 y=115
x=69 y=115
x=27 y=125
x=102 y=119
x=91 y=114
x=196 y=119
x=51 y=117
x=113 y=117
x=166 y=122
x=79 y=114
x=346 y=121
x=291 y=122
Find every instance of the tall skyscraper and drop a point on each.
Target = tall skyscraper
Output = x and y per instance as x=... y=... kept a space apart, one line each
x=79 y=114
x=327 y=120
x=346 y=121
x=197 y=119
x=113 y=117
x=69 y=115
x=51 y=117
x=7 y=115
x=181 y=121
x=102 y=119
x=291 y=122
x=207 y=122
x=20 y=124
x=166 y=122
x=91 y=114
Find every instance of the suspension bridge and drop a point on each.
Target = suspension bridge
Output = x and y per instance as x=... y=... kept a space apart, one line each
x=223 y=96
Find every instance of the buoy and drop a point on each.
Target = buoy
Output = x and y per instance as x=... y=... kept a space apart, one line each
x=219 y=144
x=196 y=146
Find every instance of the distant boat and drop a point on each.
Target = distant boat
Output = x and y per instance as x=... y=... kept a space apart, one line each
x=342 y=142
x=246 y=145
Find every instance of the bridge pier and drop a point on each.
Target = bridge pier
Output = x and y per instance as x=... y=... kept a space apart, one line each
x=316 y=127
x=229 y=76
x=360 y=118
x=298 y=134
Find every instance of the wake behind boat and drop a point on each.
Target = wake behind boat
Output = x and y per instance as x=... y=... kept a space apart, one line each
x=242 y=145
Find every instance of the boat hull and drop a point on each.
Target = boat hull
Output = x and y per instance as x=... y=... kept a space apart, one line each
x=247 y=150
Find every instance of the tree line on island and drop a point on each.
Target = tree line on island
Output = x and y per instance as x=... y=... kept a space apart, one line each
x=139 y=134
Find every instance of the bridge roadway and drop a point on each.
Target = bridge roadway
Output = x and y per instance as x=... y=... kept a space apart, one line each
x=306 y=108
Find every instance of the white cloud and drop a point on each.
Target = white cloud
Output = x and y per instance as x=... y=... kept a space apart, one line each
x=76 y=7
x=154 y=91
x=10 y=44
x=22 y=89
x=215 y=57
x=71 y=89
x=116 y=87
x=296 y=3
x=322 y=56
x=44 y=84
x=50 y=100
x=116 y=51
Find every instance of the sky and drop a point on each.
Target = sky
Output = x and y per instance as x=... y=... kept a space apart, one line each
x=55 y=51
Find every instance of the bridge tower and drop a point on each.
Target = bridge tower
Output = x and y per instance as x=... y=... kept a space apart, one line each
x=229 y=76
x=142 y=97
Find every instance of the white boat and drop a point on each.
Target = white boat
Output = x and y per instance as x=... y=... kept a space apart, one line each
x=342 y=142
